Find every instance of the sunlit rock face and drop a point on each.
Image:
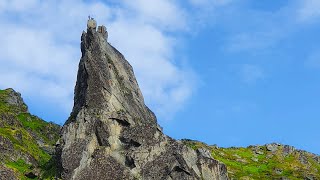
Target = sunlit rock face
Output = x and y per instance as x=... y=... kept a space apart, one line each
x=112 y=134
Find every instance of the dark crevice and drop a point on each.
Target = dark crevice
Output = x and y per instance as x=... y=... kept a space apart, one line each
x=130 y=162
x=106 y=89
x=101 y=134
x=31 y=175
x=179 y=169
x=121 y=121
x=98 y=138
x=129 y=142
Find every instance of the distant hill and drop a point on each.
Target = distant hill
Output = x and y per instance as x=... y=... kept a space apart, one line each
x=27 y=143
x=270 y=161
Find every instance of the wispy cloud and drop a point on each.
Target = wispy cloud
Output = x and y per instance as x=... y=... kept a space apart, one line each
x=264 y=29
x=261 y=30
x=308 y=10
x=40 y=42
x=40 y=48
x=150 y=50
x=159 y=13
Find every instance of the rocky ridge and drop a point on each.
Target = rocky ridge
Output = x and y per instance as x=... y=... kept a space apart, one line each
x=112 y=134
x=270 y=161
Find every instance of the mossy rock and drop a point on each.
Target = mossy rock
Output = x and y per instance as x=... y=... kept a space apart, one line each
x=26 y=139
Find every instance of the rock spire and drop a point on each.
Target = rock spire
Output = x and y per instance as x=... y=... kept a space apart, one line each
x=112 y=134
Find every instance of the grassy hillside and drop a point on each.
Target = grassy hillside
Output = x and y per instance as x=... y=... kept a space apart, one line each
x=27 y=142
x=271 y=161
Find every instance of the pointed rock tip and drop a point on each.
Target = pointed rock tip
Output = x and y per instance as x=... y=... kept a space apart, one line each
x=92 y=26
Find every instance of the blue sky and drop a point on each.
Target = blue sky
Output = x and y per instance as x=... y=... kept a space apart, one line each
x=226 y=72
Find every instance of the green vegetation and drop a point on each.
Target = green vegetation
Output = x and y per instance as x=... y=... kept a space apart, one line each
x=30 y=136
x=256 y=162
x=38 y=126
x=20 y=167
x=3 y=106
x=49 y=169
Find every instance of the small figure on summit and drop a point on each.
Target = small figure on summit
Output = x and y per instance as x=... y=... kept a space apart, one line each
x=92 y=24
x=90 y=18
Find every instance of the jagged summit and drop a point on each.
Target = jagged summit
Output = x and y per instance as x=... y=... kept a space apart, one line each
x=112 y=134
x=92 y=25
x=105 y=78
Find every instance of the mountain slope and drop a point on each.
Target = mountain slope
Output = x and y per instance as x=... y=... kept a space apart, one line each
x=26 y=141
x=270 y=161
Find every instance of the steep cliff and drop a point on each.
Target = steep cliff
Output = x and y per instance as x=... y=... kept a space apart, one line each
x=111 y=133
x=26 y=141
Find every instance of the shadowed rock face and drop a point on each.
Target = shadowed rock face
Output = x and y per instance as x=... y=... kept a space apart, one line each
x=111 y=133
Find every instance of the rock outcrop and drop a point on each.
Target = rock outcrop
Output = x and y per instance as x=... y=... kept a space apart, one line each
x=15 y=100
x=112 y=134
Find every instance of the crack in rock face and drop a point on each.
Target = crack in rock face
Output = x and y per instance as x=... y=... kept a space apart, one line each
x=112 y=134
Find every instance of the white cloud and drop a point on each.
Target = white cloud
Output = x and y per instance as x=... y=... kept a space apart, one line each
x=17 y=5
x=150 y=50
x=40 y=51
x=163 y=13
x=309 y=10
